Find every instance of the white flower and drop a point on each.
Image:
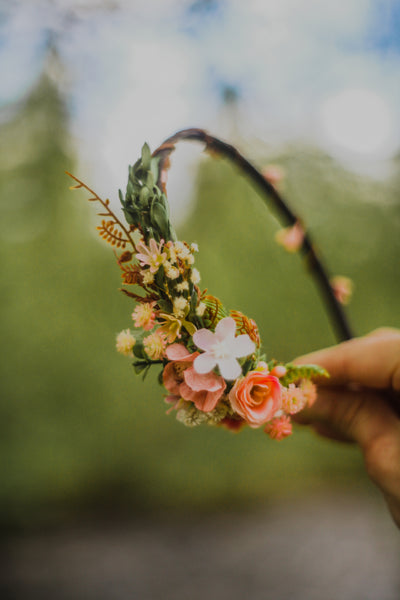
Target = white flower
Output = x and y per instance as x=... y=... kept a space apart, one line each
x=222 y=348
x=195 y=276
x=200 y=310
x=180 y=304
x=125 y=342
x=148 y=277
x=170 y=271
x=182 y=287
x=182 y=250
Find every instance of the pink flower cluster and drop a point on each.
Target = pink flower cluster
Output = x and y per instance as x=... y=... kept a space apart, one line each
x=256 y=399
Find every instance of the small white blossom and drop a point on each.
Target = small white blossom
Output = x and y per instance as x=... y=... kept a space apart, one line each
x=148 y=277
x=183 y=286
x=182 y=250
x=125 y=342
x=195 y=276
x=171 y=252
x=200 y=310
x=180 y=304
x=170 y=271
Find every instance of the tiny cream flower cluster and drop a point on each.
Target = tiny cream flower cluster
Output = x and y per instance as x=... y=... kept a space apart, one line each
x=174 y=261
x=125 y=342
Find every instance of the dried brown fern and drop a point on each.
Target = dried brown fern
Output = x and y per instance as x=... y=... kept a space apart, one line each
x=111 y=233
x=113 y=230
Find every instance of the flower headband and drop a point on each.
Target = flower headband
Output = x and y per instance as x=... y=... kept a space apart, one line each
x=212 y=365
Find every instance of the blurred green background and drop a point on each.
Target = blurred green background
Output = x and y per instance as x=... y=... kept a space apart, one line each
x=80 y=432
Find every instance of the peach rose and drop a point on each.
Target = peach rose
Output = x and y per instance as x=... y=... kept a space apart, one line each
x=256 y=397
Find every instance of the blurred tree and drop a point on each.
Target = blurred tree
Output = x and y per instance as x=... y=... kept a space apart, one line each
x=78 y=429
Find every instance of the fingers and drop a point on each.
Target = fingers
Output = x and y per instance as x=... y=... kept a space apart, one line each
x=346 y=415
x=359 y=403
x=372 y=361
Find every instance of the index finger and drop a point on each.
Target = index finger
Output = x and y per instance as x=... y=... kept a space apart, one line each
x=372 y=361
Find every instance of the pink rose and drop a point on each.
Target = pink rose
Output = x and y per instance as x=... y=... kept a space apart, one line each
x=256 y=397
x=182 y=381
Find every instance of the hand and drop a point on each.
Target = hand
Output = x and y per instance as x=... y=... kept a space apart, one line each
x=359 y=403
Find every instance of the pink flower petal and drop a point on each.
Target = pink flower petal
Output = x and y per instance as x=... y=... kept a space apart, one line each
x=204 y=363
x=170 y=380
x=177 y=352
x=229 y=368
x=225 y=328
x=242 y=345
x=207 y=381
x=153 y=246
x=209 y=402
x=204 y=339
x=172 y=399
x=204 y=401
x=188 y=394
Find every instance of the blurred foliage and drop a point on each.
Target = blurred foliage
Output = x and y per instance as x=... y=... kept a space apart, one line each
x=80 y=432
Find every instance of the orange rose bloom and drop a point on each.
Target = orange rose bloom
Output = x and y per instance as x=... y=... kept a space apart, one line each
x=256 y=397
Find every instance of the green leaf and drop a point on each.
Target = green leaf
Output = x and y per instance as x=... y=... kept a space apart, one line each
x=154 y=167
x=146 y=157
x=150 y=181
x=138 y=351
x=248 y=365
x=160 y=277
x=193 y=299
x=129 y=189
x=144 y=196
x=165 y=305
x=132 y=215
x=163 y=200
x=190 y=327
x=140 y=366
x=159 y=219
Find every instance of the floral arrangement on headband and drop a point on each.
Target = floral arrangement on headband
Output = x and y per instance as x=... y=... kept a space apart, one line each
x=212 y=365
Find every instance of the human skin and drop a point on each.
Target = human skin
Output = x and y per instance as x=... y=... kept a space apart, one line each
x=359 y=402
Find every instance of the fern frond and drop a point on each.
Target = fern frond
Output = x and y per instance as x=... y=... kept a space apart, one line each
x=296 y=372
x=131 y=274
x=246 y=325
x=110 y=232
x=137 y=297
x=119 y=238
x=214 y=312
